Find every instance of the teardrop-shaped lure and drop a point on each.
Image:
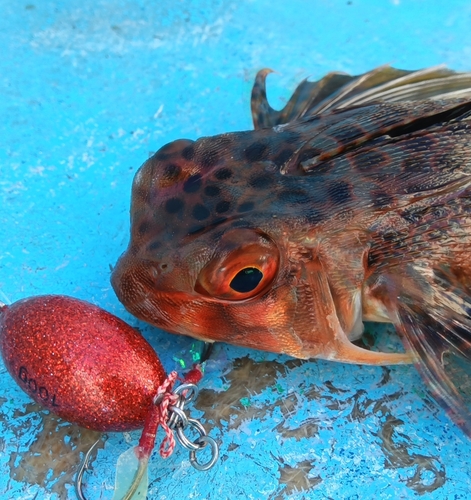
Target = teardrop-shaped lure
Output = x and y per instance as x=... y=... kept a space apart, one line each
x=79 y=361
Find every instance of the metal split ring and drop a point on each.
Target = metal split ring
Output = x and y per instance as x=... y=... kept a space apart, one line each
x=185 y=442
x=214 y=454
x=189 y=396
x=198 y=444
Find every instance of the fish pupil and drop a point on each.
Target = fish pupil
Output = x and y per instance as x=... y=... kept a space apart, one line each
x=246 y=280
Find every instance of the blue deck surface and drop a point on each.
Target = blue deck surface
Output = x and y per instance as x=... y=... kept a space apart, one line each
x=90 y=88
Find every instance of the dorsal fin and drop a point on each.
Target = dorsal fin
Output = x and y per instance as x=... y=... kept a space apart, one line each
x=340 y=91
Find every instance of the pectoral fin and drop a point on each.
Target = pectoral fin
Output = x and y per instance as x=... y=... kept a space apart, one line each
x=432 y=312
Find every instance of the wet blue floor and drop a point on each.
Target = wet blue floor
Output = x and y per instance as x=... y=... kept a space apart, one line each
x=88 y=90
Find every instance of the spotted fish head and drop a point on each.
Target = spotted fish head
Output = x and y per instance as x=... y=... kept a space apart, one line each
x=224 y=248
x=206 y=252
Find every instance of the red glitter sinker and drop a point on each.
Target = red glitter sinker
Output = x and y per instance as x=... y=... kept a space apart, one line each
x=79 y=361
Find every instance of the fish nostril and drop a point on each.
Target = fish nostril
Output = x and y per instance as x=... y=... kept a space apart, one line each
x=160 y=269
x=164 y=267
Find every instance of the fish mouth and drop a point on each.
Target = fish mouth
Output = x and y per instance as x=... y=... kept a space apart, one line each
x=142 y=294
x=134 y=288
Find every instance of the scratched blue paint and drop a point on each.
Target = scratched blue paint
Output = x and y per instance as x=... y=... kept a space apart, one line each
x=88 y=89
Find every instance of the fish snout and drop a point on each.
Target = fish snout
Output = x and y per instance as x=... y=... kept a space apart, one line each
x=126 y=280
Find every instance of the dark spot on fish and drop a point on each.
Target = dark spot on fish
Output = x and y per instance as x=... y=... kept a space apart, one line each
x=245 y=207
x=369 y=160
x=154 y=246
x=192 y=184
x=209 y=158
x=295 y=196
x=172 y=172
x=173 y=205
x=222 y=206
x=144 y=227
x=339 y=192
x=200 y=212
x=256 y=152
x=188 y=153
x=283 y=156
x=260 y=182
x=223 y=174
x=212 y=191
x=381 y=199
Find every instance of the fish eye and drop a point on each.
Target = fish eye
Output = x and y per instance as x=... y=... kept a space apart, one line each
x=246 y=280
x=244 y=264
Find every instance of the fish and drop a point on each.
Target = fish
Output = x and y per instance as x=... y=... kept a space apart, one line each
x=352 y=203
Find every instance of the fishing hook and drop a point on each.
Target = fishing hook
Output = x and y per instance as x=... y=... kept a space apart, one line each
x=84 y=466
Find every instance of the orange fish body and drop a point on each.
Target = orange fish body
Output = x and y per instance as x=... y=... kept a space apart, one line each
x=352 y=203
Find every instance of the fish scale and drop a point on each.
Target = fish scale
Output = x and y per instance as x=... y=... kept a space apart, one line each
x=351 y=204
